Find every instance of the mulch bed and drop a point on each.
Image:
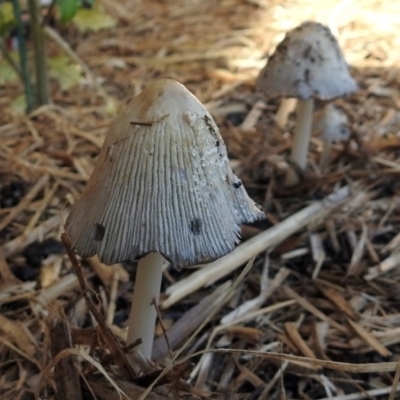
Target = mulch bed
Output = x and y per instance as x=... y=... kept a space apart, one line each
x=315 y=316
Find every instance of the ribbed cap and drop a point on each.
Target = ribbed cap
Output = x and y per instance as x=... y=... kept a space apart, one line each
x=162 y=183
x=308 y=63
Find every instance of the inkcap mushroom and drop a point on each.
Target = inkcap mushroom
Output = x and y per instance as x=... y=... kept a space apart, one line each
x=334 y=128
x=162 y=188
x=308 y=64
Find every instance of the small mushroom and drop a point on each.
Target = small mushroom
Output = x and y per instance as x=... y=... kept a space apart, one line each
x=334 y=129
x=162 y=188
x=308 y=64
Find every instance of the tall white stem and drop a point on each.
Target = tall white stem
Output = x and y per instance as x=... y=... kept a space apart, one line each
x=143 y=315
x=301 y=138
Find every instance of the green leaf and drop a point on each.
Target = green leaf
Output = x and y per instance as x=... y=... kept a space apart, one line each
x=7 y=72
x=66 y=73
x=93 y=19
x=6 y=17
x=18 y=104
x=68 y=9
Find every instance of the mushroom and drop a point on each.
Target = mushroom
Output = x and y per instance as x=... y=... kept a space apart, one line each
x=334 y=129
x=162 y=188
x=308 y=64
x=287 y=106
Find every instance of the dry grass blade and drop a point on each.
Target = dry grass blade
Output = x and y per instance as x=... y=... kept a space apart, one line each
x=7 y=343
x=115 y=349
x=218 y=269
x=334 y=365
x=358 y=251
x=102 y=390
x=66 y=353
x=386 y=265
x=23 y=204
x=293 y=333
x=249 y=306
x=107 y=272
x=188 y=322
x=395 y=384
x=35 y=234
x=14 y=331
x=369 y=394
x=337 y=299
x=5 y=272
x=44 y=204
x=371 y=340
x=19 y=291
x=48 y=295
x=66 y=374
x=253 y=116
x=254 y=314
x=312 y=309
x=247 y=333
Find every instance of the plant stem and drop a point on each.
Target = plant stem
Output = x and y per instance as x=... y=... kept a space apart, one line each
x=143 y=315
x=23 y=61
x=42 y=83
x=301 y=138
x=7 y=56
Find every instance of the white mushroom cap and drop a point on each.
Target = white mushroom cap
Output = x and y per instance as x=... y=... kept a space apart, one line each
x=334 y=125
x=162 y=183
x=308 y=63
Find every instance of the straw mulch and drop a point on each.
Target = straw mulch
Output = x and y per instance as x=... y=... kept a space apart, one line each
x=316 y=316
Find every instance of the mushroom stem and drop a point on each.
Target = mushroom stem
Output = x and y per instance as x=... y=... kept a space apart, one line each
x=143 y=315
x=325 y=155
x=285 y=109
x=301 y=138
